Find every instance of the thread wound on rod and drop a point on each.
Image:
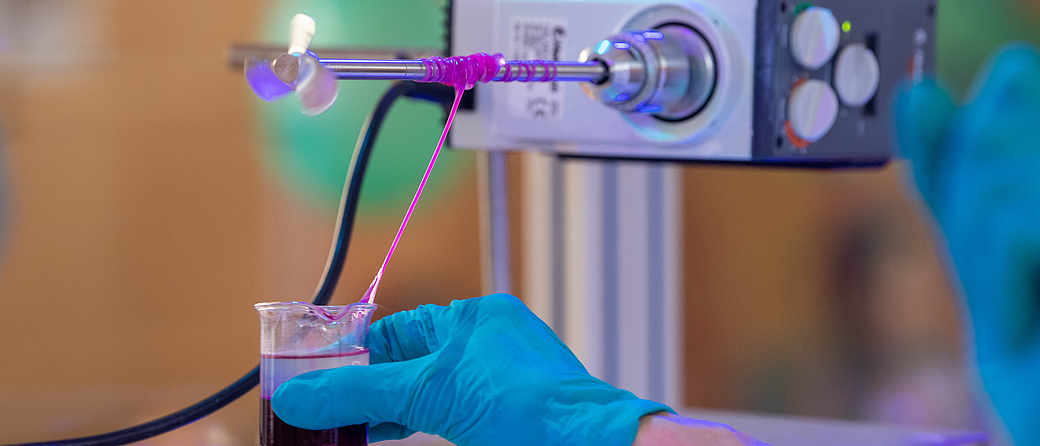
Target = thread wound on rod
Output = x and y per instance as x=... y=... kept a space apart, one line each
x=466 y=71
x=529 y=68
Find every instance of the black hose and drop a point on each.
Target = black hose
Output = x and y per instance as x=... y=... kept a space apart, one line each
x=334 y=266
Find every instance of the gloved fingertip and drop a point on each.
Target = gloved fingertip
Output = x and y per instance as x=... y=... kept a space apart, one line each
x=1017 y=61
x=923 y=112
x=299 y=402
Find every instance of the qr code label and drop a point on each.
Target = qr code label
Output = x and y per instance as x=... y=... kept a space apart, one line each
x=537 y=39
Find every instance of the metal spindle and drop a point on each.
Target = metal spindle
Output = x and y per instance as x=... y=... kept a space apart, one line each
x=360 y=69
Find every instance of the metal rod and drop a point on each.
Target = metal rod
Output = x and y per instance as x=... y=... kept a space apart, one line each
x=361 y=69
x=593 y=71
x=494 y=222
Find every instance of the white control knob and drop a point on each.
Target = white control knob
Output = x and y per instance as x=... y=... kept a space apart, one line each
x=812 y=110
x=856 y=75
x=814 y=37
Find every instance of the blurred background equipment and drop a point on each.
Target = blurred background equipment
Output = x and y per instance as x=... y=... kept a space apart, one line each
x=150 y=207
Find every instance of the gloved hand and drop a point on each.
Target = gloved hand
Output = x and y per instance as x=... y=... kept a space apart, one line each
x=483 y=371
x=978 y=168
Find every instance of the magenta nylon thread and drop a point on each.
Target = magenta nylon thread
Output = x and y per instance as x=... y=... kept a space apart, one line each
x=461 y=72
x=467 y=71
x=370 y=294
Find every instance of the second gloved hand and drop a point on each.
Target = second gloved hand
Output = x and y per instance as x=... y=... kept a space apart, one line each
x=483 y=371
x=978 y=169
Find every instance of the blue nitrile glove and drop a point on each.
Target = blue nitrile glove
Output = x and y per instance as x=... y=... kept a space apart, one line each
x=483 y=371
x=978 y=169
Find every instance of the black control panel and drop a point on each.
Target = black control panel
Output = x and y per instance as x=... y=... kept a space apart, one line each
x=826 y=73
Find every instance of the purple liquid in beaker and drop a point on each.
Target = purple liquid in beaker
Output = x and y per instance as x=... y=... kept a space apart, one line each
x=275 y=432
x=277 y=369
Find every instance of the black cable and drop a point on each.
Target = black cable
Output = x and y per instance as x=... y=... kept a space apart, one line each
x=337 y=257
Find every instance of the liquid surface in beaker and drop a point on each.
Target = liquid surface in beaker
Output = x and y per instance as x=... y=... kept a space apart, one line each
x=277 y=369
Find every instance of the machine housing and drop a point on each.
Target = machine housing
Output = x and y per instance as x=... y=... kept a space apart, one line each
x=746 y=119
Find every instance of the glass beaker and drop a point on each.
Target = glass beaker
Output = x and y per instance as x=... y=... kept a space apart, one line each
x=297 y=337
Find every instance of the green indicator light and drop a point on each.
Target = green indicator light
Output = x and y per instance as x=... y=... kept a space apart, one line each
x=846 y=26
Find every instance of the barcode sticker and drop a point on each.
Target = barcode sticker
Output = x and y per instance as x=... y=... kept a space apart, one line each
x=536 y=39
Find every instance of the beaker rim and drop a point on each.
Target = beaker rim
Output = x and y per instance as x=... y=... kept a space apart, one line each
x=330 y=312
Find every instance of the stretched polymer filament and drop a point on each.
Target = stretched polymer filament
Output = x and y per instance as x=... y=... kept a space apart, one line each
x=370 y=294
x=461 y=72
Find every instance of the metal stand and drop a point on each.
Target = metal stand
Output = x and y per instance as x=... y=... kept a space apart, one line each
x=494 y=223
x=603 y=267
